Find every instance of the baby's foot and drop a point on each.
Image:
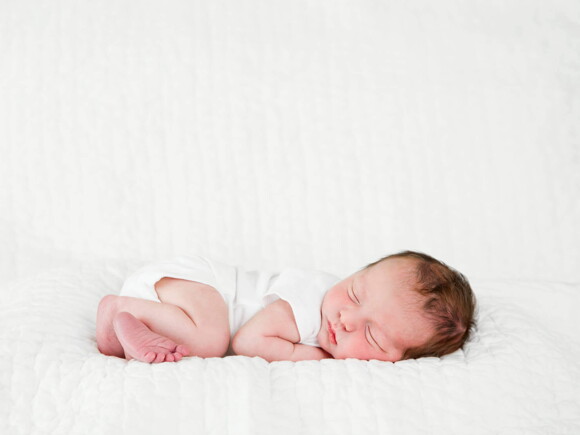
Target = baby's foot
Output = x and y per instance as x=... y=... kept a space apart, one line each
x=142 y=344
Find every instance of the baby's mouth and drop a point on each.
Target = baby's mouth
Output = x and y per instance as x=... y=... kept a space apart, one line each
x=331 y=334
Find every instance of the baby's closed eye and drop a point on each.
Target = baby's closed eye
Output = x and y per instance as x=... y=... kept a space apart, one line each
x=372 y=341
x=353 y=297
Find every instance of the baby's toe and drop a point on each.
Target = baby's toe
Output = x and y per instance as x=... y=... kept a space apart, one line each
x=177 y=356
x=181 y=349
x=169 y=358
x=149 y=357
x=159 y=358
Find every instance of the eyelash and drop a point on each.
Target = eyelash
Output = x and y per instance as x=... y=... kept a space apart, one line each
x=353 y=297
x=371 y=337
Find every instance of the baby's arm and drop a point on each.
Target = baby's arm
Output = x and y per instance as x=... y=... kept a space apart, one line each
x=273 y=335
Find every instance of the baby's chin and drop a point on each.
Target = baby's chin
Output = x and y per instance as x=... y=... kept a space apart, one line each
x=323 y=344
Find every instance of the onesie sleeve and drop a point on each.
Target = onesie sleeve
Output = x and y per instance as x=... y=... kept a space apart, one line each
x=304 y=290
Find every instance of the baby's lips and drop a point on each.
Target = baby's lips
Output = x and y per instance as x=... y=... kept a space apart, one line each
x=332 y=333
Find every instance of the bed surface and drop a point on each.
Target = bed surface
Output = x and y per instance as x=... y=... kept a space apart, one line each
x=515 y=376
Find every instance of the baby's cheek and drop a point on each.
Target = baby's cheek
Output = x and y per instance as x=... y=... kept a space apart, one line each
x=355 y=349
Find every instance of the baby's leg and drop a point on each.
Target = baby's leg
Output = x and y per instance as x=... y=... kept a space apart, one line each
x=122 y=330
x=191 y=314
x=206 y=309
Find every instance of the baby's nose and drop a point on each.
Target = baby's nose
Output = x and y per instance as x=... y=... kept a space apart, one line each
x=347 y=321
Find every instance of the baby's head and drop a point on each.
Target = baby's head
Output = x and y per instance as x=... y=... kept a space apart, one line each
x=405 y=305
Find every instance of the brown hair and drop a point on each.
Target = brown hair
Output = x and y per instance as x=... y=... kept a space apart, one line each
x=448 y=302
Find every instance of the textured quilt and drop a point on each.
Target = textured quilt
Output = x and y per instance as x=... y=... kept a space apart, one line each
x=518 y=375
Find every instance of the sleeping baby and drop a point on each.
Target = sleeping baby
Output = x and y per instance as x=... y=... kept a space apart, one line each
x=405 y=305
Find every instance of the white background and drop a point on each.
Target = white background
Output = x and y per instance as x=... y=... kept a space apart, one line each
x=310 y=134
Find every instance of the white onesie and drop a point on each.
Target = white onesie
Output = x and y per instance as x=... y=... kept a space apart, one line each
x=245 y=292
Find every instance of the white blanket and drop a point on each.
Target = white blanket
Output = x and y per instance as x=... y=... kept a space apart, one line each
x=517 y=375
